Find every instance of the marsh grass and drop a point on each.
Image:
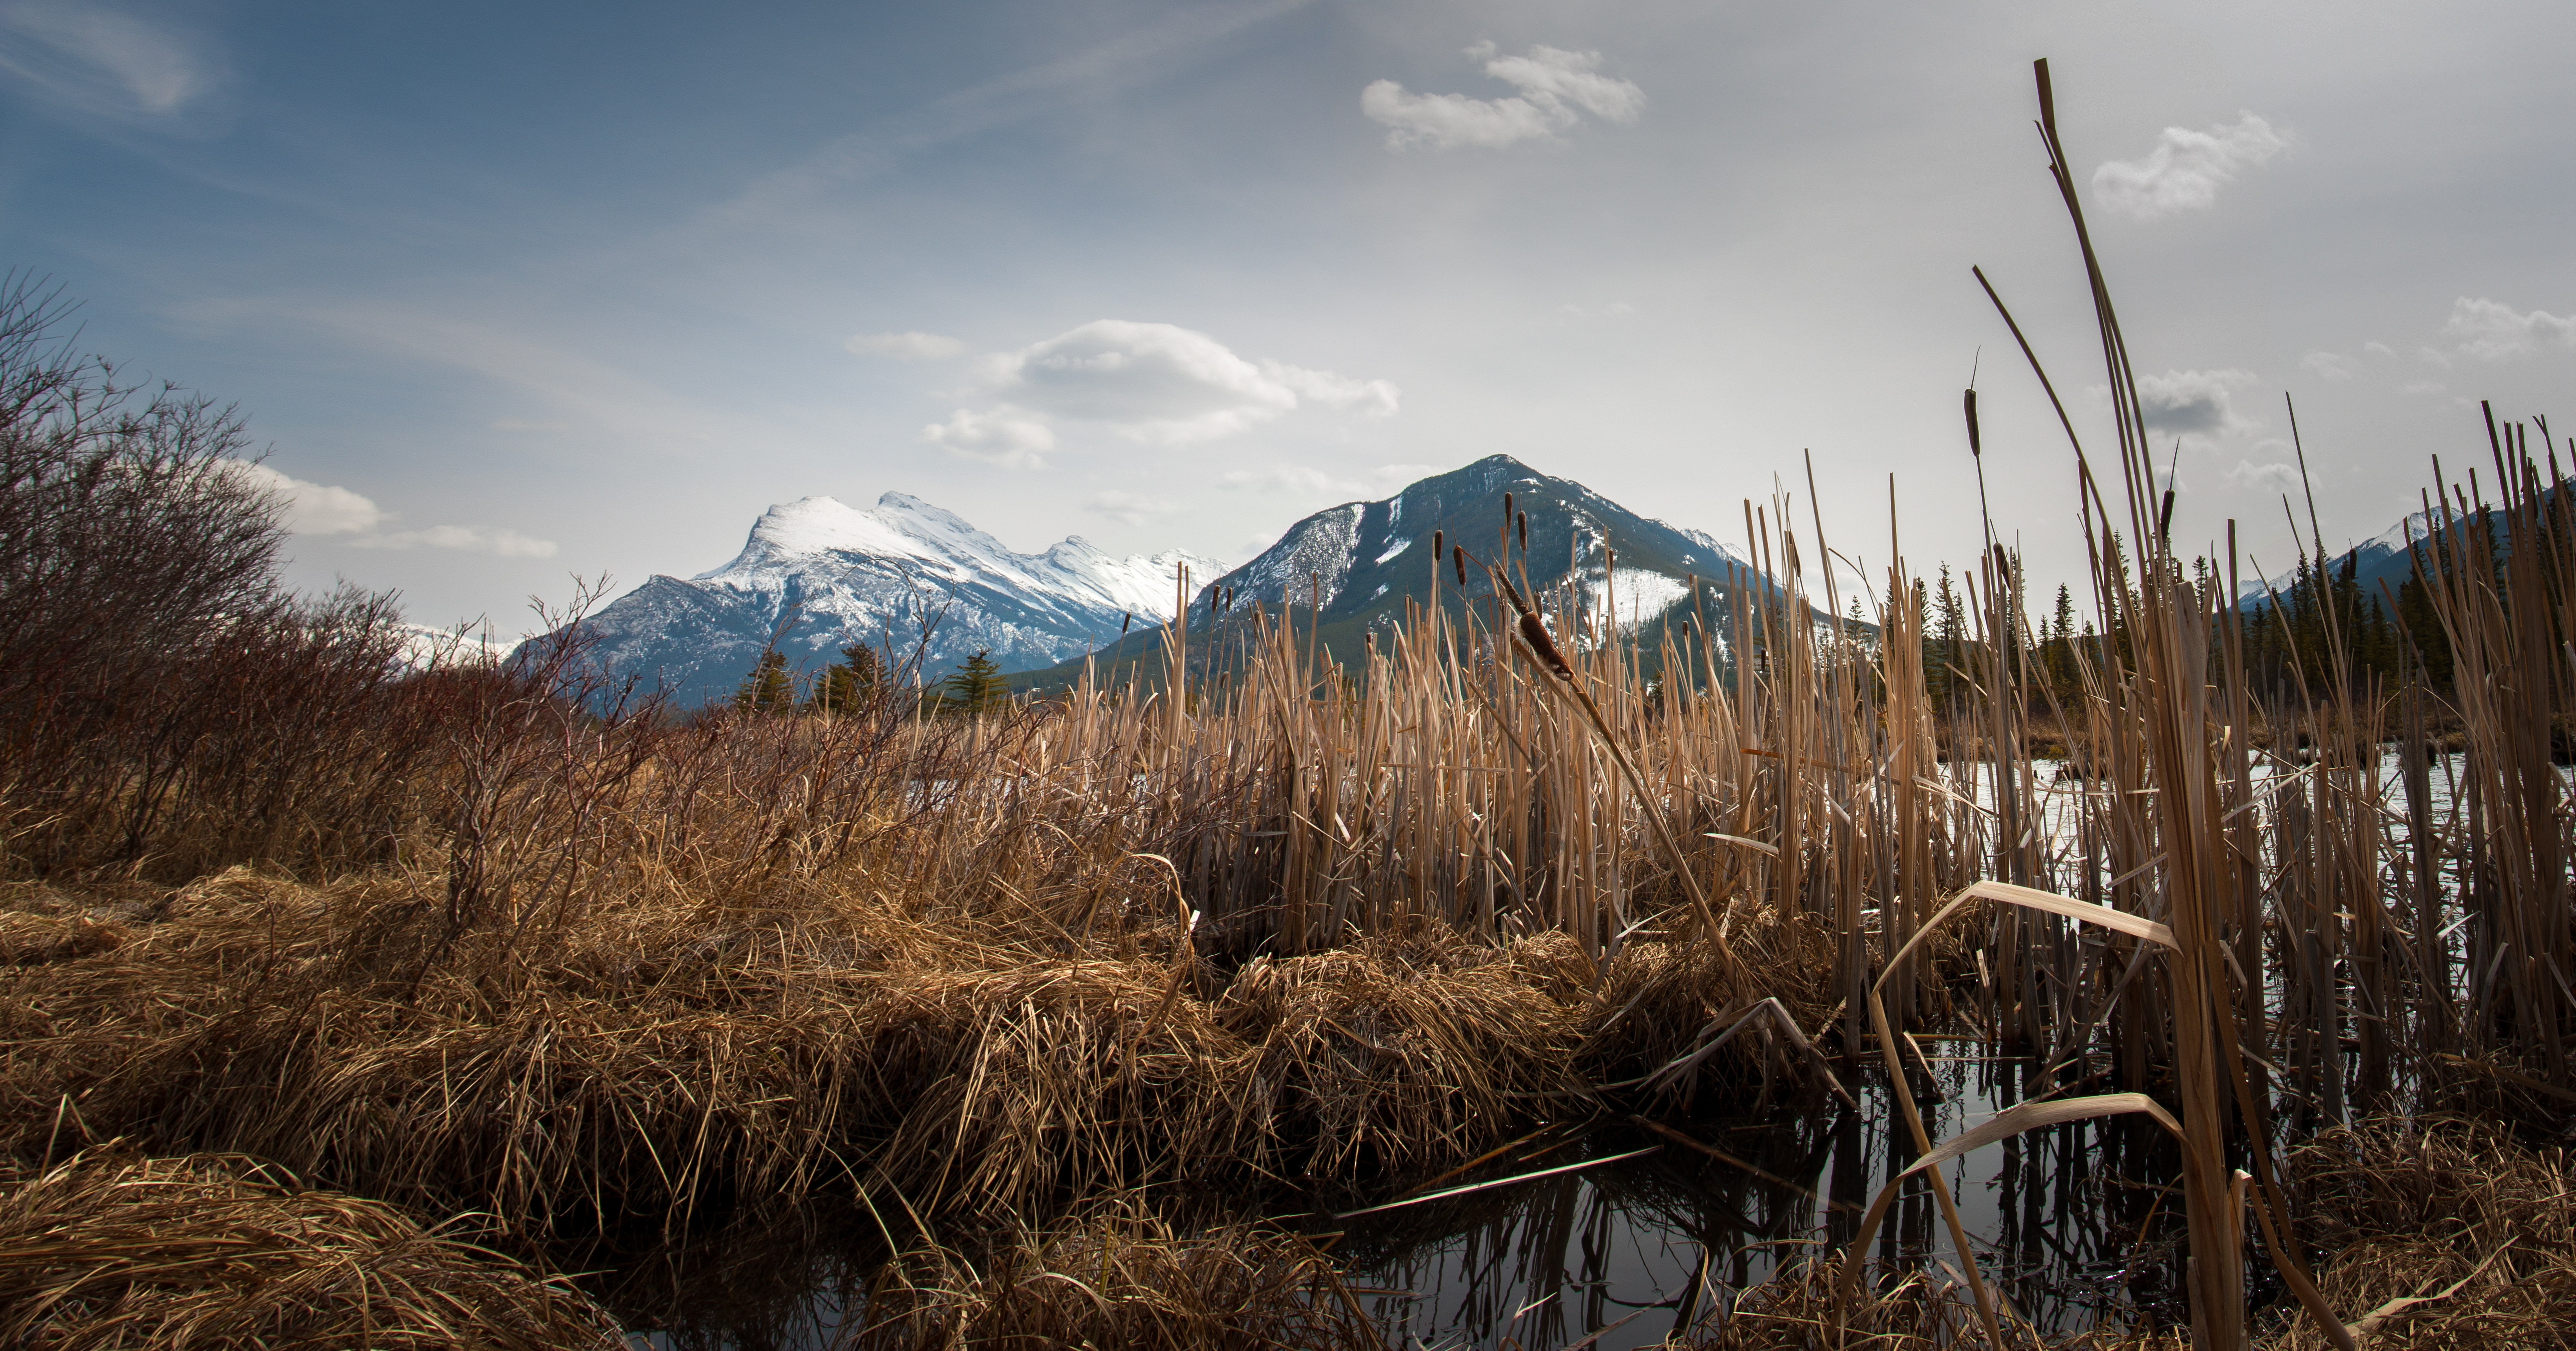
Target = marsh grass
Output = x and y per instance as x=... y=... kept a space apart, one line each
x=110 y=1250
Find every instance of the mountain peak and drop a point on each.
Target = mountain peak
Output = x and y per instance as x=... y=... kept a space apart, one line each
x=819 y=574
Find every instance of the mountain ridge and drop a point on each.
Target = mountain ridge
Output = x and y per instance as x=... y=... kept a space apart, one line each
x=913 y=578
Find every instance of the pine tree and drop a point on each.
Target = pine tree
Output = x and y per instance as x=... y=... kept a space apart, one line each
x=768 y=689
x=1949 y=637
x=851 y=684
x=977 y=685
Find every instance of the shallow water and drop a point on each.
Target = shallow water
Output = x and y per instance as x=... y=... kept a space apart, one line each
x=2065 y=1222
x=2072 y=1224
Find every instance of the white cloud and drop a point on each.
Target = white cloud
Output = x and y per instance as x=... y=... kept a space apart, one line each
x=2192 y=403
x=314 y=508
x=2334 y=366
x=2424 y=387
x=2492 y=331
x=907 y=346
x=1156 y=383
x=470 y=539
x=1006 y=436
x=91 y=57
x=1289 y=478
x=1556 y=88
x=2376 y=348
x=1131 y=508
x=2275 y=478
x=1374 y=398
x=2186 y=168
x=322 y=509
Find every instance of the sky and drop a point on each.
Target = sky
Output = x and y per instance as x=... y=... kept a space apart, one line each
x=514 y=296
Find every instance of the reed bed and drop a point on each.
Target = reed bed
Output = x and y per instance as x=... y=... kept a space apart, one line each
x=523 y=939
x=109 y=1250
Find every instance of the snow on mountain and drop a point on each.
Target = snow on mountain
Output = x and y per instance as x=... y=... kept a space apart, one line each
x=905 y=576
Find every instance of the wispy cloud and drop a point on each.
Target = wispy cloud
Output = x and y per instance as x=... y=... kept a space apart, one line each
x=2489 y=330
x=103 y=60
x=2272 y=478
x=1021 y=94
x=2334 y=366
x=2186 y=168
x=1159 y=384
x=1307 y=481
x=470 y=539
x=911 y=346
x=1131 y=508
x=355 y=520
x=1557 y=87
x=1011 y=437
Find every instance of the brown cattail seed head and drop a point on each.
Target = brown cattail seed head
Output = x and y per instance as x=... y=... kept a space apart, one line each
x=1534 y=633
x=1975 y=446
x=1458 y=555
x=1524 y=520
x=1437 y=548
x=1507 y=507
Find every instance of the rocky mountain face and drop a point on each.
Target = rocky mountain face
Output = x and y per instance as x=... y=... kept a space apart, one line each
x=903 y=576
x=1357 y=564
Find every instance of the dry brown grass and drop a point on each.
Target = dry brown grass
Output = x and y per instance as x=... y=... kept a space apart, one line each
x=113 y=1250
x=2456 y=1214
x=1117 y=1274
x=667 y=1061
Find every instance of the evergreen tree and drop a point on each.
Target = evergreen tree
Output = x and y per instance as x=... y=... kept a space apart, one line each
x=1949 y=639
x=768 y=689
x=851 y=684
x=977 y=685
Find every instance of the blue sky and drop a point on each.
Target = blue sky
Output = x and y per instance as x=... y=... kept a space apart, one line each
x=513 y=294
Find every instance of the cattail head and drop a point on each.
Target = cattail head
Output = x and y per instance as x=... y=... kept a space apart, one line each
x=1458 y=555
x=1523 y=518
x=1123 y=623
x=1975 y=445
x=1437 y=548
x=1535 y=634
x=1507 y=508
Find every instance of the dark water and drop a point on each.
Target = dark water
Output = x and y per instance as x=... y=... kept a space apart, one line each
x=2068 y=1223
x=2073 y=1225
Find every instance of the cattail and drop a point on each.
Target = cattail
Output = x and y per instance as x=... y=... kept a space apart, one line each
x=1458 y=555
x=1437 y=548
x=1507 y=508
x=1524 y=520
x=1975 y=445
x=1123 y=623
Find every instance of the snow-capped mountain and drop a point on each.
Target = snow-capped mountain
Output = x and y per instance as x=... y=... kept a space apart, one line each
x=904 y=576
x=1361 y=561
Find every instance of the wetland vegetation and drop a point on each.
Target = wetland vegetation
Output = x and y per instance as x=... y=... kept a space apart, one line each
x=1249 y=1003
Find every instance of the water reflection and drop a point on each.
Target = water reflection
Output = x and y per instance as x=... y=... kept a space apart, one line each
x=2075 y=1225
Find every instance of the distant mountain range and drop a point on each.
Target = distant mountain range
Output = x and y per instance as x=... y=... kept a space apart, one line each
x=817 y=575
x=1358 y=563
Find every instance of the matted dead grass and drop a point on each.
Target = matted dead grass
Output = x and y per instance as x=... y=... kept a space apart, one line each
x=1118 y=1273
x=658 y=1059
x=2441 y=1235
x=109 y=1250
